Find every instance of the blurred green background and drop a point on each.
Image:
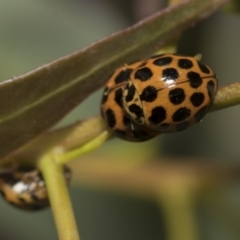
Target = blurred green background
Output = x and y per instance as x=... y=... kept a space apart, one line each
x=33 y=33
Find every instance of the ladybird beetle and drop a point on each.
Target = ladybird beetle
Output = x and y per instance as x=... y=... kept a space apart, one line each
x=25 y=188
x=169 y=92
x=113 y=112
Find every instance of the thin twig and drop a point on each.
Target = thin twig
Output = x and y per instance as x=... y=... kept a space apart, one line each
x=227 y=96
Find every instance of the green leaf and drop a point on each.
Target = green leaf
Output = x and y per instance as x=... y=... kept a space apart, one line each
x=32 y=103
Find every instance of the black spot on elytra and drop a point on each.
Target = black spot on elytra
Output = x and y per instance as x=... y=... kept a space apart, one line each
x=197 y=99
x=9 y=178
x=185 y=63
x=176 y=96
x=149 y=94
x=211 y=89
x=203 y=67
x=162 y=61
x=181 y=114
x=130 y=92
x=200 y=113
x=169 y=74
x=182 y=126
x=143 y=74
x=135 y=109
x=158 y=115
x=123 y=76
x=118 y=97
x=194 y=79
x=110 y=117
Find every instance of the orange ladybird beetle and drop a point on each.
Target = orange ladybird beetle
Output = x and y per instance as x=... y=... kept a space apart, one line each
x=166 y=93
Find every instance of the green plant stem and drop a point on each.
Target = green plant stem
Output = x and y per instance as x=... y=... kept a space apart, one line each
x=227 y=96
x=88 y=147
x=59 y=197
